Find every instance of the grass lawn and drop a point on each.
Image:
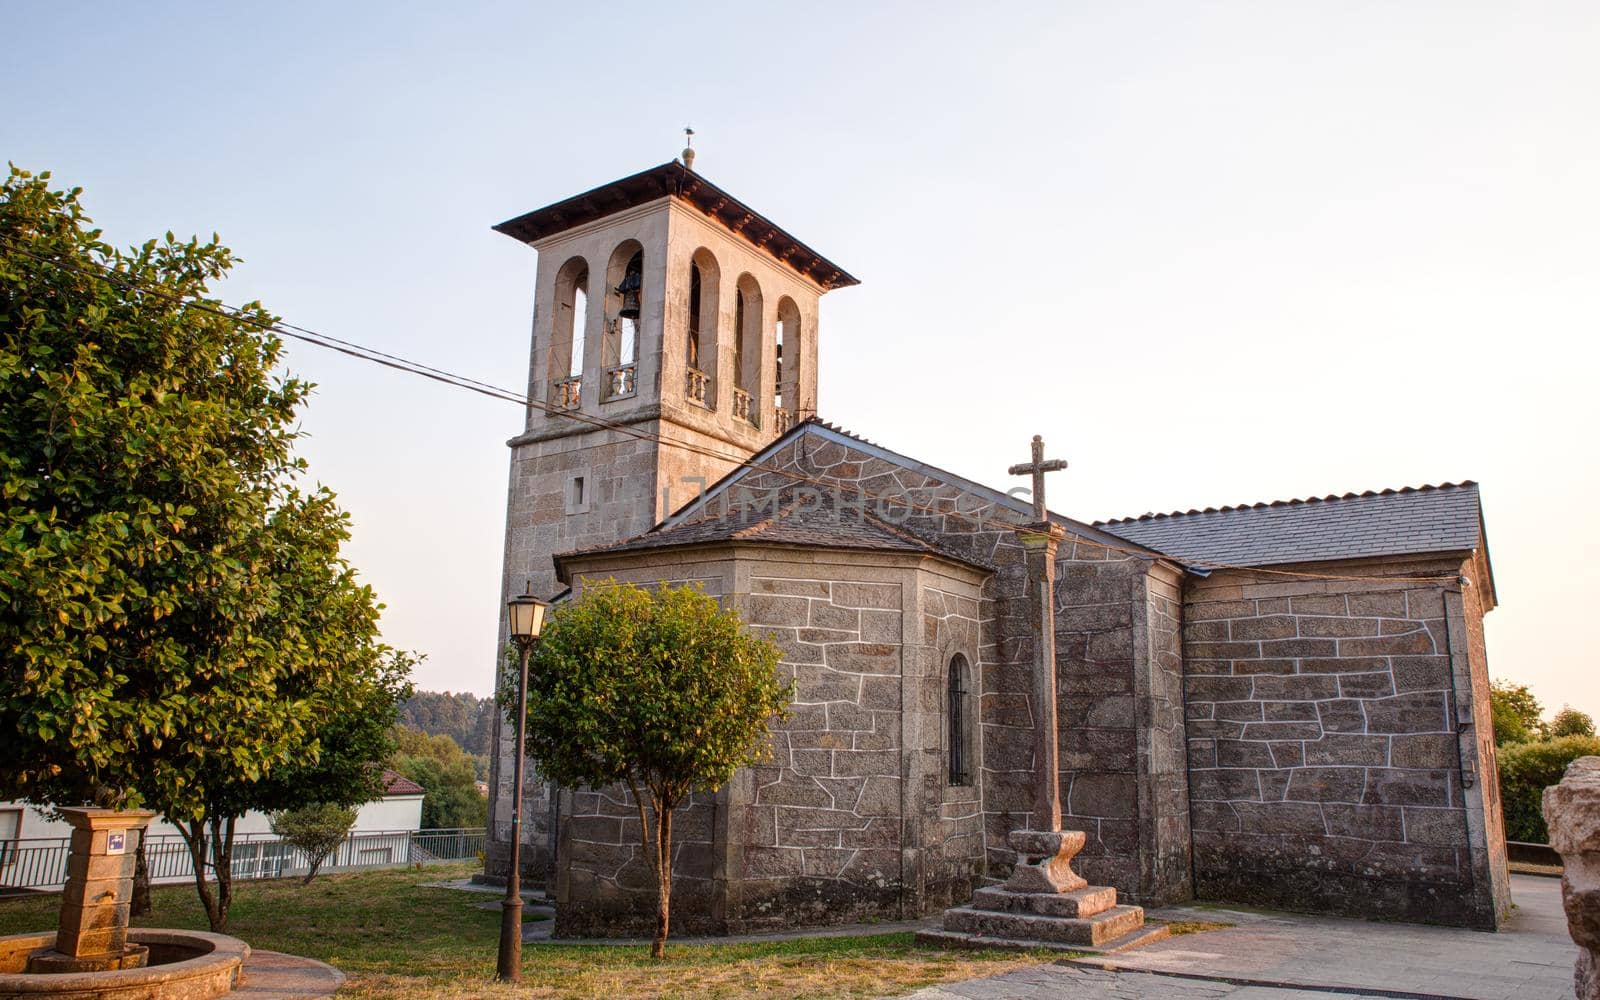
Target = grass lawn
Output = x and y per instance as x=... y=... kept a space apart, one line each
x=396 y=939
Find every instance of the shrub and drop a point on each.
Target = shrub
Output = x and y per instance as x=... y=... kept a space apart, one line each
x=1526 y=770
x=315 y=830
x=1517 y=713
x=1571 y=722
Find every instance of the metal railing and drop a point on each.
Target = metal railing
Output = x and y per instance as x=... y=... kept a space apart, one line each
x=41 y=863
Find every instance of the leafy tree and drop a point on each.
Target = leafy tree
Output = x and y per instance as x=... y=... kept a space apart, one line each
x=662 y=691
x=315 y=830
x=178 y=626
x=1516 y=713
x=447 y=776
x=464 y=717
x=1526 y=770
x=1571 y=722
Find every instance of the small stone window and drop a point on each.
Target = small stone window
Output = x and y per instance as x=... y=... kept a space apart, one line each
x=957 y=714
x=577 y=495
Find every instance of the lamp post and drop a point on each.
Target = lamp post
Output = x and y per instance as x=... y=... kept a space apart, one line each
x=526 y=615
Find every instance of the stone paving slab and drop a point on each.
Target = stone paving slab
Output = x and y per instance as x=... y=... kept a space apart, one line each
x=1530 y=958
x=272 y=975
x=1275 y=956
x=1080 y=983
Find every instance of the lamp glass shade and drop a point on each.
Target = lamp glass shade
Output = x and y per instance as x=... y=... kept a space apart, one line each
x=527 y=616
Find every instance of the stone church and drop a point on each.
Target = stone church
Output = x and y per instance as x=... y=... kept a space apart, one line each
x=1283 y=704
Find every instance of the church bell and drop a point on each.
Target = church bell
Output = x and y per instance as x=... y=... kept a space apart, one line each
x=632 y=282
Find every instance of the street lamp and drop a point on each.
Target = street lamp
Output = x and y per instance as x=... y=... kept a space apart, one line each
x=526 y=615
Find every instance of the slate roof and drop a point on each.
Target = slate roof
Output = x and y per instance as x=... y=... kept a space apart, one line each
x=802 y=516
x=828 y=430
x=692 y=189
x=395 y=783
x=1411 y=521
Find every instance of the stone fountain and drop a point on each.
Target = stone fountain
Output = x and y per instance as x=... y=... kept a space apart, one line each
x=93 y=952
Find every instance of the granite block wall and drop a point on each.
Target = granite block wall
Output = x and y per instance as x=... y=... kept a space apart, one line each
x=604 y=885
x=1107 y=666
x=951 y=815
x=1326 y=766
x=820 y=822
x=1120 y=706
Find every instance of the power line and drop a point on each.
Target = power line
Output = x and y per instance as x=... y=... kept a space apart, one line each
x=361 y=352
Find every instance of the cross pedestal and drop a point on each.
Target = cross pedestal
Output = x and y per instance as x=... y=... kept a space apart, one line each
x=93 y=933
x=1044 y=904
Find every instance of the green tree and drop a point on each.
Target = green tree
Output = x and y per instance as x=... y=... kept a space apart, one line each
x=1516 y=713
x=179 y=628
x=1526 y=770
x=1571 y=722
x=464 y=717
x=663 y=692
x=448 y=778
x=314 y=830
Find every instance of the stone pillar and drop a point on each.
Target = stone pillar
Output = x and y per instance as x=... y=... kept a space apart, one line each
x=1045 y=904
x=1040 y=541
x=1572 y=812
x=93 y=933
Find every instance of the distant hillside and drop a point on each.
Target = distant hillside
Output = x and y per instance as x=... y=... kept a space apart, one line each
x=464 y=717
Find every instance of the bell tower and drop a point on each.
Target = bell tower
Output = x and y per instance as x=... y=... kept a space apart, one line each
x=674 y=336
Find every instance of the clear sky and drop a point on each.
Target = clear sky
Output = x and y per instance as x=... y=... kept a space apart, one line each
x=1215 y=253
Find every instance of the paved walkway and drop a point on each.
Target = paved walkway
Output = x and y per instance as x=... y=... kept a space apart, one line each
x=1273 y=956
x=272 y=975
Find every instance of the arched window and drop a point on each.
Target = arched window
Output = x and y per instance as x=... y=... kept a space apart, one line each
x=564 y=362
x=747 y=350
x=777 y=346
x=956 y=713
x=786 y=393
x=701 y=346
x=694 y=316
x=738 y=337
x=631 y=293
x=625 y=303
x=580 y=320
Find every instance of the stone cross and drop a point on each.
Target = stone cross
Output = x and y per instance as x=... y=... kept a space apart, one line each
x=1039 y=541
x=1037 y=468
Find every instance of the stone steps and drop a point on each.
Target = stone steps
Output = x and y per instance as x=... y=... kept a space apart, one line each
x=1078 y=904
x=1045 y=904
x=1093 y=931
x=956 y=939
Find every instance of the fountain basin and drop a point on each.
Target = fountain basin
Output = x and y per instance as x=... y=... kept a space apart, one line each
x=183 y=965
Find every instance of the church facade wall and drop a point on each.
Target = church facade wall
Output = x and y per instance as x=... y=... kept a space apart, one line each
x=1334 y=743
x=1119 y=701
x=852 y=817
x=949 y=812
x=1165 y=857
x=1117 y=661
x=619 y=476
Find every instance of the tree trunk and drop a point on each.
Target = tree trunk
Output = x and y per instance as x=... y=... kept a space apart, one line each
x=658 y=947
x=222 y=848
x=139 y=906
x=316 y=863
x=194 y=837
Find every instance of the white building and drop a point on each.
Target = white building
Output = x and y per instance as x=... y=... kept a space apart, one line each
x=399 y=809
x=33 y=846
